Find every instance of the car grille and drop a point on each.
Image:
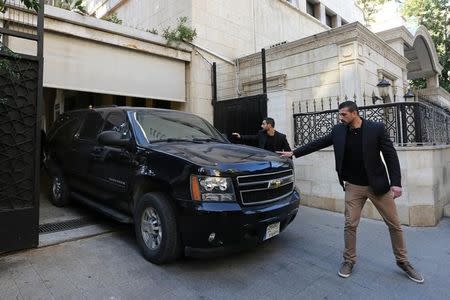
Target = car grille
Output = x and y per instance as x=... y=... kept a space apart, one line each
x=265 y=188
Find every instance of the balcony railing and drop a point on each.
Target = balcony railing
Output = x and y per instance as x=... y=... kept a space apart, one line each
x=407 y=123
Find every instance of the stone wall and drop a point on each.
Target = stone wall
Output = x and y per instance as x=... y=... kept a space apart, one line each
x=229 y=29
x=436 y=95
x=343 y=61
x=425 y=180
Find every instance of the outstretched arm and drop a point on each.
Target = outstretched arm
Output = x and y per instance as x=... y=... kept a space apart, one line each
x=311 y=147
x=246 y=138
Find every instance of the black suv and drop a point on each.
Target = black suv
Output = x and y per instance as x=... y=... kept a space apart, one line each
x=173 y=175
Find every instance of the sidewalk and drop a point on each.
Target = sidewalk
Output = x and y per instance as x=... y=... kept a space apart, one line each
x=301 y=263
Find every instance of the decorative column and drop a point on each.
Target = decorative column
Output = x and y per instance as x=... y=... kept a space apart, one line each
x=352 y=70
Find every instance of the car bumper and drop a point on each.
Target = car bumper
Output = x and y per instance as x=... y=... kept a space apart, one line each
x=231 y=223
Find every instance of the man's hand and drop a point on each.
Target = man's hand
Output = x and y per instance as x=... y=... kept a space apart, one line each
x=237 y=135
x=396 y=191
x=285 y=153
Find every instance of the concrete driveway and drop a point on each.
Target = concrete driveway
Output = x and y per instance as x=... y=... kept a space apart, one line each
x=301 y=263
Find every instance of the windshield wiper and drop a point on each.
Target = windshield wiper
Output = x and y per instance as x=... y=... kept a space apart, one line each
x=171 y=140
x=207 y=140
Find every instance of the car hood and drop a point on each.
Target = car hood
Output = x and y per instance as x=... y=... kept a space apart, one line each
x=226 y=158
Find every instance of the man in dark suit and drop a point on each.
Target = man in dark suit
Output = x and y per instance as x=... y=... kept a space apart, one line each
x=267 y=138
x=357 y=145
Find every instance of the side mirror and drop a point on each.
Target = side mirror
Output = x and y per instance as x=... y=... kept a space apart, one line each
x=112 y=138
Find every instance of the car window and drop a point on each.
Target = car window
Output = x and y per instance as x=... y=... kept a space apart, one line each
x=161 y=125
x=67 y=131
x=64 y=128
x=116 y=121
x=92 y=125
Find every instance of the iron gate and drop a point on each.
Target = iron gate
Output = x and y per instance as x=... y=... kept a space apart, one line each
x=20 y=110
x=243 y=115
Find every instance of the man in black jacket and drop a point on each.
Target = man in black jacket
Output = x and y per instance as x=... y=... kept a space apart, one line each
x=267 y=138
x=357 y=145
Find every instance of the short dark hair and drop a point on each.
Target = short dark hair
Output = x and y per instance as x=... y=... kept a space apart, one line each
x=270 y=121
x=351 y=105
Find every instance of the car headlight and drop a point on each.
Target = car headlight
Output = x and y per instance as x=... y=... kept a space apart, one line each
x=207 y=188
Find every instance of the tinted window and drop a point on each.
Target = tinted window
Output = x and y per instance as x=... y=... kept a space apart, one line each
x=64 y=134
x=92 y=125
x=170 y=125
x=64 y=128
x=117 y=121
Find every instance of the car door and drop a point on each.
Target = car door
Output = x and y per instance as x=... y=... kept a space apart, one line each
x=83 y=145
x=112 y=167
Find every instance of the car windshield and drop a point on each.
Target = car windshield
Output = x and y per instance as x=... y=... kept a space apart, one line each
x=172 y=126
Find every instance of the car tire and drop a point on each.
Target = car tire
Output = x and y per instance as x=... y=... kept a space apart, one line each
x=58 y=190
x=156 y=229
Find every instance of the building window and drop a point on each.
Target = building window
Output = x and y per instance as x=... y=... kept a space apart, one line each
x=310 y=8
x=329 y=20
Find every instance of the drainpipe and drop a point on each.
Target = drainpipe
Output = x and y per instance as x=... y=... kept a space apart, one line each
x=264 y=76
x=214 y=84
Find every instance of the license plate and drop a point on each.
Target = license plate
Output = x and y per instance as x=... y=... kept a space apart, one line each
x=272 y=230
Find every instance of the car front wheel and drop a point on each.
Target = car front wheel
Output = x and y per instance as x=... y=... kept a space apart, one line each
x=156 y=229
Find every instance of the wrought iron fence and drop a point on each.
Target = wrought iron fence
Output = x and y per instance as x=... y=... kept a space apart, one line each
x=407 y=123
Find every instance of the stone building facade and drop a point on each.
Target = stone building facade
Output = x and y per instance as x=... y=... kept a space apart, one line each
x=316 y=53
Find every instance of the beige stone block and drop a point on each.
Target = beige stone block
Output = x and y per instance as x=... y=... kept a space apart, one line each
x=422 y=215
x=447 y=210
x=304 y=186
x=299 y=172
x=438 y=212
x=418 y=159
x=340 y=205
x=403 y=214
x=319 y=202
x=336 y=190
x=329 y=77
x=326 y=90
x=321 y=189
x=421 y=195
x=421 y=177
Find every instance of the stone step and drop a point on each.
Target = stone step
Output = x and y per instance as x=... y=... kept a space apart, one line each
x=447 y=210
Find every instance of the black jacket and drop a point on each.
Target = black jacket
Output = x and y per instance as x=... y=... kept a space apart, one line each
x=281 y=143
x=375 y=139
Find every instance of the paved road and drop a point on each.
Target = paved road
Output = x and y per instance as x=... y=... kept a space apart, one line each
x=299 y=264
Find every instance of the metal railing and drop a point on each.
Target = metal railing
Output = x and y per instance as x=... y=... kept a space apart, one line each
x=407 y=123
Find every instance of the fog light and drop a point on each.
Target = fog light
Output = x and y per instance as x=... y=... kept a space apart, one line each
x=212 y=236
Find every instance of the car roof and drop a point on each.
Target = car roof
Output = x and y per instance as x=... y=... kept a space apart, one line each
x=126 y=109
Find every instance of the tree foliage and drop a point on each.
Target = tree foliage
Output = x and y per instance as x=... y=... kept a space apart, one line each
x=370 y=8
x=73 y=5
x=435 y=16
x=113 y=18
x=31 y=4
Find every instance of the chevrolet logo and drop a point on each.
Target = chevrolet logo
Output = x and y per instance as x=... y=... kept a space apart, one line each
x=274 y=184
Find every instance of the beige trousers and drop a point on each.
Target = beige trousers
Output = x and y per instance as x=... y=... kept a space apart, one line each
x=355 y=198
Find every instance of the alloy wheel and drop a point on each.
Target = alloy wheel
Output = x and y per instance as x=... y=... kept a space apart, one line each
x=151 y=228
x=57 y=188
